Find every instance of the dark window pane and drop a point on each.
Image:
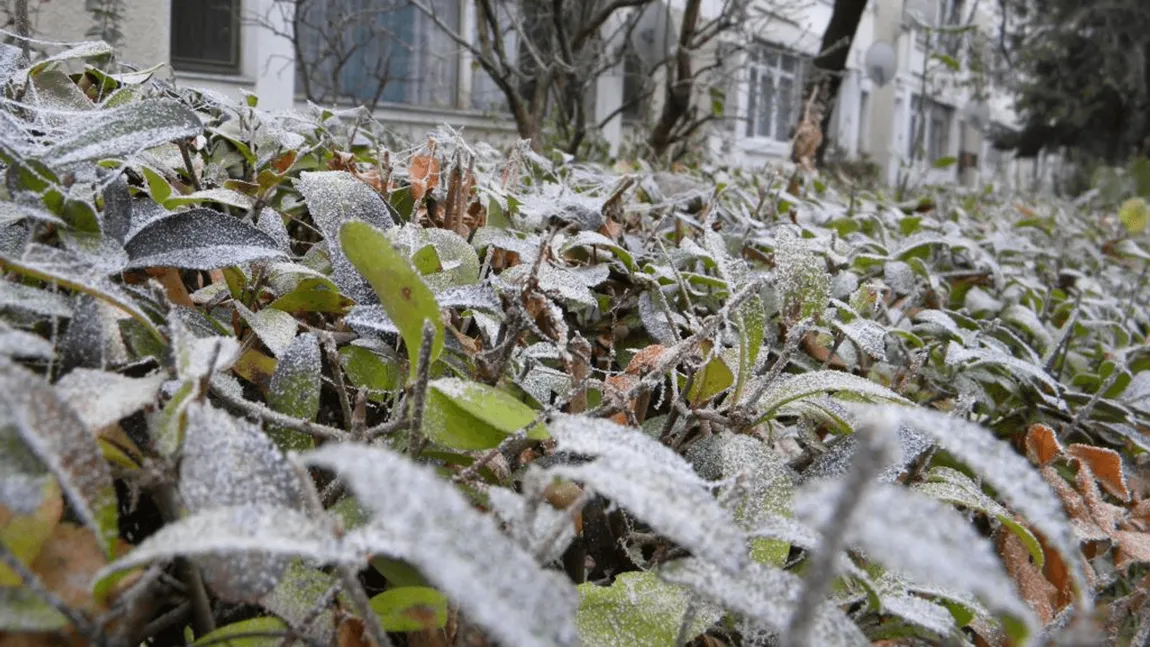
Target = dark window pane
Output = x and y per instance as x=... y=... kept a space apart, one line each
x=206 y=35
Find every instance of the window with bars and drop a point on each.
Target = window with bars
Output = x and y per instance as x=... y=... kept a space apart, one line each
x=371 y=51
x=206 y=35
x=775 y=80
x=943 y=13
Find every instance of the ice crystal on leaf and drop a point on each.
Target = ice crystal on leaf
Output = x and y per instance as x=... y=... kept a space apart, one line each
x=766 y=597
x=423 y=520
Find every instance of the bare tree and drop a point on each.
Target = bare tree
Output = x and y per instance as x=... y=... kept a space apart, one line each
x=545 y=56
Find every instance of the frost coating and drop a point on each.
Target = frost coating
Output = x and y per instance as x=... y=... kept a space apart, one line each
x=598 y=437
x=423 y=520
x=336 y=197
x=542 y=529
x=58 y=437
x=680 y=509
x=1010 y=474
x=815 y=382
x=198 y=239
x=229 y=462
x=766 y=597
x=234 y=530
x=275 y=328
x=123 y=131
x=919 y=536
x=101 y=398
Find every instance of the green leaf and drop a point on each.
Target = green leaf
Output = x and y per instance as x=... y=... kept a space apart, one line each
x=1133 y=213
x=370 y=371
x=947 y=60
x=295 y=389
x=944 y=162
x=31 y=411
x=405 y=298
x=410 y=608
x=711 y=380
x=21 y=610
x=638 y=610
x=158 y=187
x=255 y=632
x=471 y=415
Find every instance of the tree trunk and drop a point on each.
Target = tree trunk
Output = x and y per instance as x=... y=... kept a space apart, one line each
x=830 y=64
x=680 y=84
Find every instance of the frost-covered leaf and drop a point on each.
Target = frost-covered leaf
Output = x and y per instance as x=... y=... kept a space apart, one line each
x=34 y=300
x=956 y=354
x=837 y=459
x=870 y=336
x=22 y=610
x=101 y=398
x=682 y=510
x=637 y=609
x=297 y=596
x=70 y=271
x=334 y=198
x=24 y=345
x=295 y=390
x=253 y=632
x=805 y=385
x=538 y=527
x=199 y=239
x=898 y=600
x=801 y=279
x=950 y=485
x=234 y=532
x=93 y=339
x=598 y=437
x=60 y=440
x=404 y=296
x=124 y=131
x=471 y=415
x=764 y=596
x=227 y=197
x=558 y=282
x=999 y=465
x=423 y=520
x=275 y=328
x=765 y=486
x=914 y=534
x=229 y=462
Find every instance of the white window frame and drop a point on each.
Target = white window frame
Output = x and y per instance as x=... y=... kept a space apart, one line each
x=769 y=62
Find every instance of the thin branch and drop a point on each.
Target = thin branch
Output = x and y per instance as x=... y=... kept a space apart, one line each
x=276 y=418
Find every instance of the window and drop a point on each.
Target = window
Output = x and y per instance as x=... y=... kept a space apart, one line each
x=773 y=98
x=206 y=35
x=371 y=51
x=942 y=13
x=936 y=135
x=864 y=122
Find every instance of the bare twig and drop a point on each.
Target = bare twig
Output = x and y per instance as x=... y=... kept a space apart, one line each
x=416 y=440
x=274 y=417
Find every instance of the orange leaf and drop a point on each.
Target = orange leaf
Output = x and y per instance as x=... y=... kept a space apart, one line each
x=1106 y=465
x=1042 y=445
x=173 y=284
x=1038 y=592
x=67 y=564
x=423 y=175
x=1131 y=547
x=618 y=386
x=645 y=360
x=285 y=161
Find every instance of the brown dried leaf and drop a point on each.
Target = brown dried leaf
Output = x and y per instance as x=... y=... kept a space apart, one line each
x=173 y=285
x=1042 y=445
x=1038 y=592
x=67 y=564
x=1106 y=466
x=617 y=387
x=423 y=175
x=1131 y=547
x=1105 y=516
x=645 y=360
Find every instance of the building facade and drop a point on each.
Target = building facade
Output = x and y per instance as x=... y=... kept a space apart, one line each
x=237 y=46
